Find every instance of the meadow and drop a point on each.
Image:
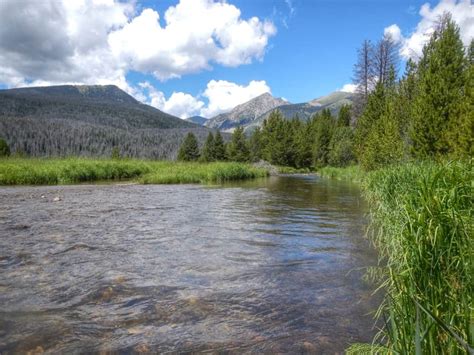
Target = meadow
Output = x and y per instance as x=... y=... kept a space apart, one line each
x=24 y=171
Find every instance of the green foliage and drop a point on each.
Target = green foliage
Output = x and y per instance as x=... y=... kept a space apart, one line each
x=115 y=153
x=350 y=173
x=440 y=93
x=422 y=223
x=65 y=171
x=219 y=147
x=341 y=147
x=189 y=150
x=256 y=145
x=208 y=150
x=344 y=116
x=217 y=172
x=238 y=148
x=323 y=131
x=4 y=148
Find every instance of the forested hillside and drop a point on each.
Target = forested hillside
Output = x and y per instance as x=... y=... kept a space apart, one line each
x=88 y=121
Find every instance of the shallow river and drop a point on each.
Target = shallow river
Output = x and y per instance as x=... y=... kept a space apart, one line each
x=273 y=265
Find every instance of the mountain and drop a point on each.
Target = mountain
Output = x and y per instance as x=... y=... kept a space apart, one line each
x=244 y=114
x=197 y=120
x=105 y=105
x=304 y=111
x=88 y=121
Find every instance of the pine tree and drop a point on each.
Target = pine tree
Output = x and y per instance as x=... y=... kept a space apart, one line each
x=4 y=148
x=304 y=145
x=341 y=147
x=208 y=150
x=344 y=116
x=219 y=147
x=461 y=132
x=238 y=148
x=256 y=145
x=439 y=94
x=324 y=129
x=189 y=150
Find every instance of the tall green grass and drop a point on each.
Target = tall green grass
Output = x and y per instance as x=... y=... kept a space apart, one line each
x=16 y=171
x=352 y=173
x=422 y=225
x=184 y=173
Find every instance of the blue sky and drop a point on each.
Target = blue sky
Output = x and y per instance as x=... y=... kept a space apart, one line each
x=203 y=57
x=314 y=54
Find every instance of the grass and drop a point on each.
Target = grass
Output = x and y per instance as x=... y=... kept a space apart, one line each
x=352 y=173
x=422 y=225
x=20 y=171
x=292 y=170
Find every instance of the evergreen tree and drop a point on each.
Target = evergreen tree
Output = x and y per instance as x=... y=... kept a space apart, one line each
x=208 y=150
x=4 y=148
x=439 y=95
x=304 y=145
x=256 y=145
x=274 y=132
x=323 y=131
x=344 y=116
x=341 y=147
x=219 y=147
x=238 y=148
x=461 y=132
x=189 y=150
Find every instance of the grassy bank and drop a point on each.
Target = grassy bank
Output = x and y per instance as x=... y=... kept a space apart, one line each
x=76 y=170
x=422 y=225
x=352 y=173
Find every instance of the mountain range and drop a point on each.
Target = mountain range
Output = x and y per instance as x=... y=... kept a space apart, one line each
x=246 y=113
x=252 y=113
x=91 y=120
x=88 y=121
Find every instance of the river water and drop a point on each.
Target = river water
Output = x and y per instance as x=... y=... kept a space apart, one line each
x=272 y=265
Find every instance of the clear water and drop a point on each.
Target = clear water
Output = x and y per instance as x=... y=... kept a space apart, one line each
x=273 y=265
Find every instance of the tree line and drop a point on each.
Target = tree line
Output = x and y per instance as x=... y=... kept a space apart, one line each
x=425 y=114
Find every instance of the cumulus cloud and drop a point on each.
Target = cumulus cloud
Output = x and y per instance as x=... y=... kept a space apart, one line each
x=221 y=96
x=59 y=42
x=100 y=41
x=178 y=104
x=349 y=88
x=196 y=33
x=412 y=45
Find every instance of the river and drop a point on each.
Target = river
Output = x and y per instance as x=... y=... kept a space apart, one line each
x=272 y=265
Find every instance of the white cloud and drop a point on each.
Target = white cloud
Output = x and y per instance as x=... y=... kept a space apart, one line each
x=349 y=88
x=224 y=95
x=196 y=33
x=394 y=32
x=100 y=41
x=462 y=13
x=221 y=96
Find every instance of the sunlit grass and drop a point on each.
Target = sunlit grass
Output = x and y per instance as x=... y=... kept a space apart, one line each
x=16 y=171
x=422 y=226
x=352 y=173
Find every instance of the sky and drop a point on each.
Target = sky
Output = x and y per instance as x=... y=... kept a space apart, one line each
x=204 y=57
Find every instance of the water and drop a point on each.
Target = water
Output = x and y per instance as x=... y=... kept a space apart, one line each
x=263 y=266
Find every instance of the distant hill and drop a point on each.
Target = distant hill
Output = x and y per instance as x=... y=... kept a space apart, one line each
x=304 y=111
x=198 y=120
x=246 y=113
x=88 y=120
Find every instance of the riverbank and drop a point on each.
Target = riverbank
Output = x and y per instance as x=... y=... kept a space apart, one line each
x=422 y=225
x=21 y=171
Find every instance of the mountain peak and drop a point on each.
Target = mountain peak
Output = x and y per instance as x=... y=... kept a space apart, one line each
x=245 y=113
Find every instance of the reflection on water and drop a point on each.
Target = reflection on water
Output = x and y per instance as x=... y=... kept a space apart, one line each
x=271 y=265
